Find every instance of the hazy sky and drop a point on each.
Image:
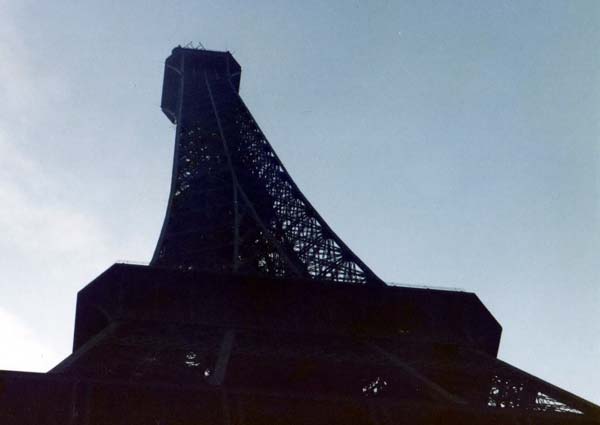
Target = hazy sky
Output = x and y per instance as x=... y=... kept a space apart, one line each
x=447 y=143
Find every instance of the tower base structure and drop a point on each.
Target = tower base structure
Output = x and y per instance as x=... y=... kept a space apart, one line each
x=155 y=345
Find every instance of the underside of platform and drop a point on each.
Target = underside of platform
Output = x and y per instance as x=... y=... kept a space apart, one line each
x=162 y=346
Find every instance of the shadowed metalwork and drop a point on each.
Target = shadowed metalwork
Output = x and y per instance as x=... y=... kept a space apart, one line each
x=238 y=320
x=233 y=206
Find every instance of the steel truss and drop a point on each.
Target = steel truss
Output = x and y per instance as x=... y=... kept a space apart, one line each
x=233 y=206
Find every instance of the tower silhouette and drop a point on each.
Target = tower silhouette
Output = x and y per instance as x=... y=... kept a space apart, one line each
x=253 y=311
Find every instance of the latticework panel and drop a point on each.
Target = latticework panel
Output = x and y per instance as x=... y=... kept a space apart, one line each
x=292 y=363
x=484 y=381
x=165 y=353
x=233 y=206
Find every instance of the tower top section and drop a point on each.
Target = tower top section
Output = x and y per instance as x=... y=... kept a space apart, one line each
x=184 y=64
x=233 y=207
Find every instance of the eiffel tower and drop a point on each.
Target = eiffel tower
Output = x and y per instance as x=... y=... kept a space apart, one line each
x=253 y=311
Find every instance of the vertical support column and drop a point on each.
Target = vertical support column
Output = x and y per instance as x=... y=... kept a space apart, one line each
x=218 y=376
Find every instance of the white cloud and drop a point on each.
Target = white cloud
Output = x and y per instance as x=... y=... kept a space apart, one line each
x=49 y=245
x=36 y=219
x=21 y=348
x=31 y=221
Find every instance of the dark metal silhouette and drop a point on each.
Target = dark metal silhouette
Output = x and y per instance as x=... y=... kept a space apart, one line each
x=233 y=206
x=239 y=319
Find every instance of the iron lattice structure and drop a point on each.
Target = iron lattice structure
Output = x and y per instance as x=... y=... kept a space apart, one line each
x=233 y=206
x=238 y=320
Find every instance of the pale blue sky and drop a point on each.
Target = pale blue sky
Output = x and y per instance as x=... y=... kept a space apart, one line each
x=448 y=143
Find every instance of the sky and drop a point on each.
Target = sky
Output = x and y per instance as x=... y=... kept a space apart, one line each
x=447 y=143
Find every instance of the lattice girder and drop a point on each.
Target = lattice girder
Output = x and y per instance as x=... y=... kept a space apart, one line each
x=233 y=206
